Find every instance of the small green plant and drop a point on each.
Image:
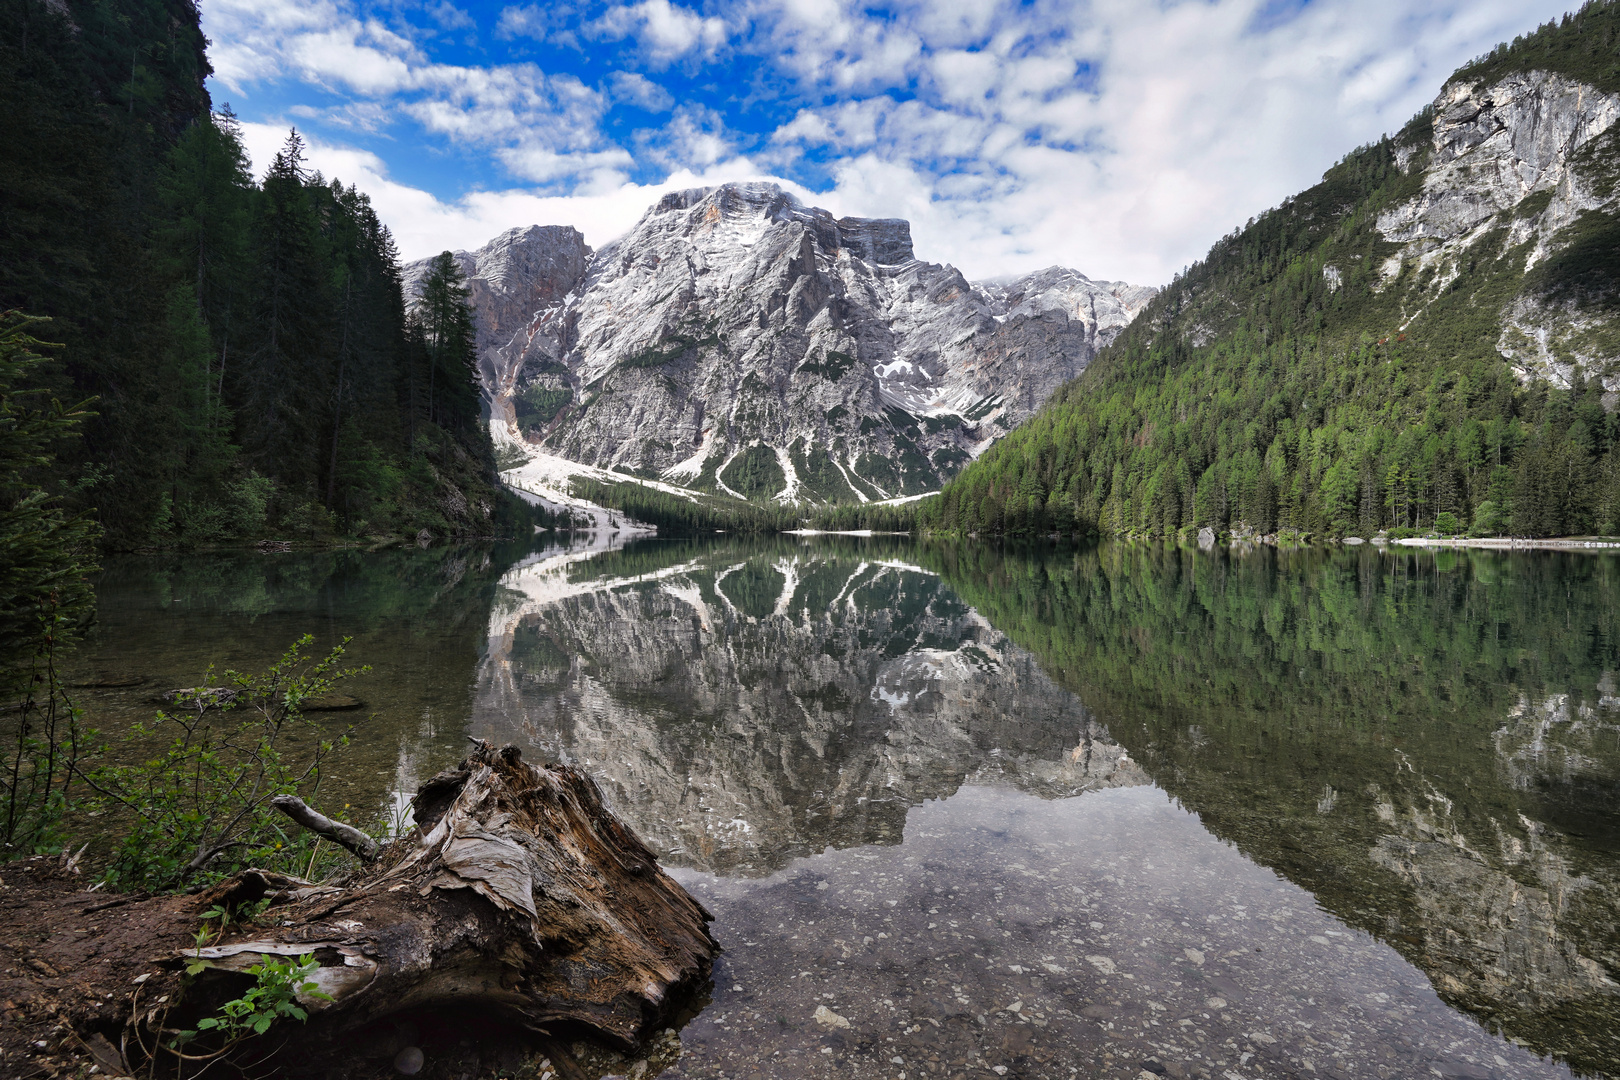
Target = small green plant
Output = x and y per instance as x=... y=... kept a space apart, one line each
x=273 y=997
x=206 y=934
x=207 y=795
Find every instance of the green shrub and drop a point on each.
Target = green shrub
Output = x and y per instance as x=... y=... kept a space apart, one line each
x=201 y=807
x=1488 y=519
x=46 y=600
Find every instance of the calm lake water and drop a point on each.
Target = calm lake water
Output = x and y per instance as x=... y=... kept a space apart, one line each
x=1116 y=810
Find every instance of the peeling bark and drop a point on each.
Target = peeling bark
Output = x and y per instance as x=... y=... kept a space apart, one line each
x=519 y=893
x=519 y=899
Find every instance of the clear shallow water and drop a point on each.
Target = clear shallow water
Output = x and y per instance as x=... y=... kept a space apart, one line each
x=1092 y=936
x=1365 y=801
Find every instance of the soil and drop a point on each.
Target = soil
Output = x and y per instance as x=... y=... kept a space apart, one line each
x=69 y=964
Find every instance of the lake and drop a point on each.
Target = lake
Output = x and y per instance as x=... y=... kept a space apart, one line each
x=1115 y=810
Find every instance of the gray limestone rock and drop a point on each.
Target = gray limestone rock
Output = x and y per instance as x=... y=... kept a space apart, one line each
x=1525 y=165
x=737 y=340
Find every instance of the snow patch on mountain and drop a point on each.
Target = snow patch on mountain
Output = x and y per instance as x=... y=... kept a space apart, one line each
x=739 y=341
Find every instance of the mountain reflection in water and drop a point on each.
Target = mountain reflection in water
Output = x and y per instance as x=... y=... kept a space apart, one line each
x=1427 y=743
x=1328 y=812
x=749 y=707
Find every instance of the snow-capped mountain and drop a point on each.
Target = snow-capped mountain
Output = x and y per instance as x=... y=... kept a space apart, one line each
x=737 y=340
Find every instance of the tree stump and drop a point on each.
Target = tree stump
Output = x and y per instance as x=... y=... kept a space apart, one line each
x=518 y=895
x=519 y=900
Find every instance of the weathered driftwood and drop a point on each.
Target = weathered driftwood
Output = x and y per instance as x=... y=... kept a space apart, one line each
x=521 y=901
x=338 y=832
x=519 y=895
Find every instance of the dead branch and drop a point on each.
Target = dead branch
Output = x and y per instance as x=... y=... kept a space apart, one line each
x=338 y=832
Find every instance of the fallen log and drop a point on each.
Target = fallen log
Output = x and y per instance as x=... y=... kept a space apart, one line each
x=518 y=899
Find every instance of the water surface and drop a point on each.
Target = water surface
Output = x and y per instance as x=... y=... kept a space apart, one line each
x=1026 y=812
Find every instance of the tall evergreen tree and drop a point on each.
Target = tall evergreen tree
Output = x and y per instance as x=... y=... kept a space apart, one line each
x=247 y=343
x=445 y=312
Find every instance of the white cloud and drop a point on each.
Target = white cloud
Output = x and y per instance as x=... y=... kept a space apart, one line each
x=666 y=32
x=425 y=225
x=636 y=89
x=538 y=21
x=449 y=16
x=1191 y=120
x=1118 y=137
x=545 y=128
x=693 y=139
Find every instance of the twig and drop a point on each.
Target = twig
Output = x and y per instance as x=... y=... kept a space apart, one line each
x=117 y=901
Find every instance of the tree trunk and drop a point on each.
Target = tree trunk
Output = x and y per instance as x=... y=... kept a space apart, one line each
x=519 y=899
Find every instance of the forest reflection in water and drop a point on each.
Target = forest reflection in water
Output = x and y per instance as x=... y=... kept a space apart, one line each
x=879 y=745
x=418 y=618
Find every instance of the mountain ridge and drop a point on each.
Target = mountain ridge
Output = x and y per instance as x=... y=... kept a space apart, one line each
x=739 y=342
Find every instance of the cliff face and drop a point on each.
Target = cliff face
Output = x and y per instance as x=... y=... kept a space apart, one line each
x=1528 y=163
x=736 y=340
x=741 y=709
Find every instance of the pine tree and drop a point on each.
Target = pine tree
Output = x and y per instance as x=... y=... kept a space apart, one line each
x=284 y=377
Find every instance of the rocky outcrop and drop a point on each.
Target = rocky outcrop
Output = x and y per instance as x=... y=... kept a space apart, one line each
x=737 y=340
x=1523 y=168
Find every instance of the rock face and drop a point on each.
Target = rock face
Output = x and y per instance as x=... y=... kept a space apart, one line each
x=1531 y=156
x=737 y=340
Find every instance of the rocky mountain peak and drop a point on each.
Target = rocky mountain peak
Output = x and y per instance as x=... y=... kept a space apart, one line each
x=729 y=211
x=738 y=340
x=1525 y=155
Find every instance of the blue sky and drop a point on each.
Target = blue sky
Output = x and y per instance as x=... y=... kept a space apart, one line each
x=1117 y=137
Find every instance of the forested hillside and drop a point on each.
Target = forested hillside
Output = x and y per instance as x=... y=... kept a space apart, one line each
x=1429 y=339
x=254 y=369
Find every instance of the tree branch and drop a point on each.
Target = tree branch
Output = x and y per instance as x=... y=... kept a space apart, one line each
x=336 y=831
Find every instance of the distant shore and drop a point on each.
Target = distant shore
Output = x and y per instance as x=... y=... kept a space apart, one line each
x=1502 y=543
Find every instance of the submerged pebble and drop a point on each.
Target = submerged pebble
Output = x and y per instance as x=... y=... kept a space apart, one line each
x=1107 y=935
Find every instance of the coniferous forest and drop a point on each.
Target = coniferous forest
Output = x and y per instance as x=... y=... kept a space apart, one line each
x=1285 y=383
x=249 y=362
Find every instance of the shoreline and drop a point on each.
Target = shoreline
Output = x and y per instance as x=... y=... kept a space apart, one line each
x=1509 y=543
x=839 y=532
